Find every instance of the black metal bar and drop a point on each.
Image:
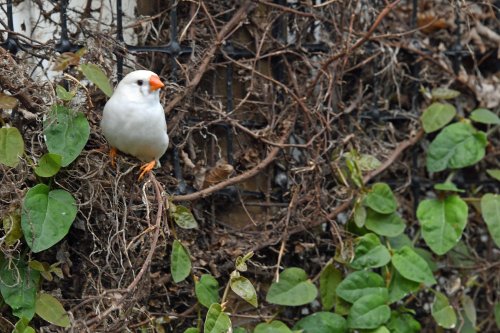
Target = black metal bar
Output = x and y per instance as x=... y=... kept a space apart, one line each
x=119 y=36
x=64 y=44
x=229 y=109
x=11 y=42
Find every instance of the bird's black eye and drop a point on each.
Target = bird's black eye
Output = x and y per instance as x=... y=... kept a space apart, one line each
x=140 y=82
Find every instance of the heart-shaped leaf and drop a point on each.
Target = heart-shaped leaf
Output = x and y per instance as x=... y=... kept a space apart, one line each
x=490 y=209
x=381 y=199
x=370 y=253
x=18 y=286
x=11 y=146
x=457 y=146
x=361 y=283
x=66 y=133
x=95 y=75
x=329 y=279
x=444 y=93
x=183 y=217
x=369 y=311
x=390 y=225
x=412 y=267
x=322 y=322
x=242 y=287
x=207 y=290
x=485 y=116
x=274 y=326
x=217 y=321
x=443 y=222
x=403 y=323
x=293 y=289
x=180 y=263
x=437 y=115
x=443 y=312
x=49 y=165
x=47 y=216
x=51 y=310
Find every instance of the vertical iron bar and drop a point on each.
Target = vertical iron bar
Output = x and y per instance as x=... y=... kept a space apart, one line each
x=174 y=43
x=10 y=43
x=229 y=109
x=119 y=36
x=64 y=45
x=415 y=70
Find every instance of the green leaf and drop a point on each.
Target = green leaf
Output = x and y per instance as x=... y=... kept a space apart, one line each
x=361 y=283
x=293 y=289
x=365 y=162
x=369 y=311
x=12 y=228
x=328 y=281
x=381 y=329
x=443 y=222
x=216 y=321
x=412 y=267
x=95 y=75
x=427 y=256
x=47 y=216
x=241 y=262
x=359 y=215
x=192 y=330
x=381 y=199
x=18 y=287
x=207 y=290
x=469 y=309
x=443 y=312
x=63 y=94
x=183 y=217
x=322 y=322
x=7 y=101
x=494 y=173
x=11 y=146
x=390 y=225
x=484 y=116
x=490 y=209
x=444 y=93
x=48 y=165
x=242 y=287
x=51 y=310
x=457 y=146
x=66 y=133
x=399 y=241
x=22 y=326
x=370 y=253
x=447 y=186
x=496 y=311
x=403 y=323
x=239 y=330
x=275 y=326
x=436 y=116
x=180 y=263
x=400 y=287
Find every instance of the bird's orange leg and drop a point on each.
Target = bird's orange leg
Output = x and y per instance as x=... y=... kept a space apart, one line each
x=147 y=168
x=112 y=155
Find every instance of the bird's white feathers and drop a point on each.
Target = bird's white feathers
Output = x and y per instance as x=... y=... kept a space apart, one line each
x=133 y=120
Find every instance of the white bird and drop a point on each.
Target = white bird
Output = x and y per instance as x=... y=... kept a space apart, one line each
x=133 y=120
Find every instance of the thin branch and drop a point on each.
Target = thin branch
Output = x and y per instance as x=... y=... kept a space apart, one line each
x=247 y=174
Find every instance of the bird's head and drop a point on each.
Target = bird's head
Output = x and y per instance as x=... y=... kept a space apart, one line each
x=140 y=85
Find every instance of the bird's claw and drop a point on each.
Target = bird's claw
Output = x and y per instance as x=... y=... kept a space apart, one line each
x=112 y=155
x=146 y=168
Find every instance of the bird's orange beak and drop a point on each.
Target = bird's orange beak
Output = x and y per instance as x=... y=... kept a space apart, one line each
x=155 y=82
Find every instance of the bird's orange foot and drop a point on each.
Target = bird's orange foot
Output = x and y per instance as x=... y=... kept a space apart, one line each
x=147 y=168
x=112 y=155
